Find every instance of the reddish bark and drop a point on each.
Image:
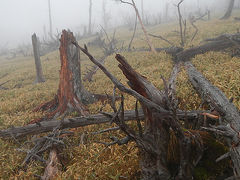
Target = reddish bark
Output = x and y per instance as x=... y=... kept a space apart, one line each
x=71 y=95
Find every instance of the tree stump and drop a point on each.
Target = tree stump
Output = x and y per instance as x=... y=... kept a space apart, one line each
x=71 y=94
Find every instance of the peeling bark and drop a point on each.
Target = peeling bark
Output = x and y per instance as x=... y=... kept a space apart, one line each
x=71 y=95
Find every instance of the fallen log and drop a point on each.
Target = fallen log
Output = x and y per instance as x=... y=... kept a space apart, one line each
x=217 y=44
x=47 y=126
x=230 y=127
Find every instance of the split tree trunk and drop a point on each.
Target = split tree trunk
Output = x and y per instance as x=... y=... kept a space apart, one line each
x=36 y=52
x=71 y=95
x=228 y=13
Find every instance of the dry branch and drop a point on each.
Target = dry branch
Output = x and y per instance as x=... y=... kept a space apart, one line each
x=47 y=126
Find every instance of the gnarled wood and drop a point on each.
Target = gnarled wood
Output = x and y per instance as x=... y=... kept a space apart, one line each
x=71 y=95
x=226 y=109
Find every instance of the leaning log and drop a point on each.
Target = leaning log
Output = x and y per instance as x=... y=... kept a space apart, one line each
x=230 y=127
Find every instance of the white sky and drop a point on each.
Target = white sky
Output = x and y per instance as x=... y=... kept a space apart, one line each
x=19 y=19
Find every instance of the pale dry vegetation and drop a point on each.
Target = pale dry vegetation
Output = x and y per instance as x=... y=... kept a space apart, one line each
x=94 y=160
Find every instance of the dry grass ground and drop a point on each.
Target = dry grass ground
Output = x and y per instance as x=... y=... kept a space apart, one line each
x=93 y=160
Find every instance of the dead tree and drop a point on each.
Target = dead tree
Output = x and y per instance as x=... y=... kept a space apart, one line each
x=160 y=117
x=151 y=46
x=50 y=19
x=182 y=24
x=71 y=93
x=90 y=18
x=36 y=51
x=228 y=13
x=134 y=32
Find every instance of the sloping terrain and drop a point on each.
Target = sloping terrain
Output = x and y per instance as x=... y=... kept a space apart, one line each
x=93 y=160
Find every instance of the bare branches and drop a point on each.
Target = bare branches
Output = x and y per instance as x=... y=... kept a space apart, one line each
x=162 y=38
x=152 y=48
x=180 y=18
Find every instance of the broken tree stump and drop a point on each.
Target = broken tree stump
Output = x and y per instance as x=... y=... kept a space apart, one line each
x=38 y=65
x=71 y=94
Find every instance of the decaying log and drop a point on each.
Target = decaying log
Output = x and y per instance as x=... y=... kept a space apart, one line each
x=217 y=44
x=230 y=127
x=46 y=126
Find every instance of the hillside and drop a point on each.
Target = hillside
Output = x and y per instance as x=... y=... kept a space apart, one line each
x=94 y=160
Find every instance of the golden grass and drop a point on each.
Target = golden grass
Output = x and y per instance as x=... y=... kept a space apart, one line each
x=93 y=160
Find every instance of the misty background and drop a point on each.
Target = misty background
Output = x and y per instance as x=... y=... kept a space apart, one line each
x=21 y=18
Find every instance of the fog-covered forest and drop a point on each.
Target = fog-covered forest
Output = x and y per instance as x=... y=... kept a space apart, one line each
x=120 y=89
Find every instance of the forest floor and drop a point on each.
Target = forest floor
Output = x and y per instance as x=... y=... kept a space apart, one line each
x=93 y=160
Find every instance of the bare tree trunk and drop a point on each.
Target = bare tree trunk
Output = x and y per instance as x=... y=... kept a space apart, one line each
x=229 y=10
x=105 y=15
x=38 y=64
x=50 y=19
x=142 y=10
x=90 y=18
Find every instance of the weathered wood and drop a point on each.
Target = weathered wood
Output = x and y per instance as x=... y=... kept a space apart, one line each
x=71 y=94
x=46 y=126
x=226 y=109
x=52 y=167
x=217 y=44
x=36 y=52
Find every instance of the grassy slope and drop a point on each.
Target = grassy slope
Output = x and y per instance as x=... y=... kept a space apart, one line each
x=94 y=161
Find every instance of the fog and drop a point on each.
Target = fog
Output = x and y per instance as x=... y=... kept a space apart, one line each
x=21 y=18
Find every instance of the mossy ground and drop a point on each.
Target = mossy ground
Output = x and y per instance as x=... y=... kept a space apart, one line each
x=93 y=160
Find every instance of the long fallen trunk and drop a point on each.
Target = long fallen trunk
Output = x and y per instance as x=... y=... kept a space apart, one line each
x=217 y=44
x=47 y=126
x=230 y=114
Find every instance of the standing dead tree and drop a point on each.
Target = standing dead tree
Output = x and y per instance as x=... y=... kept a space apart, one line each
x=134 y=32
x=228 y=13
x=90 y=18
x=182 y=25
x=36 y=52
x=132 y=3
x=71 y=93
